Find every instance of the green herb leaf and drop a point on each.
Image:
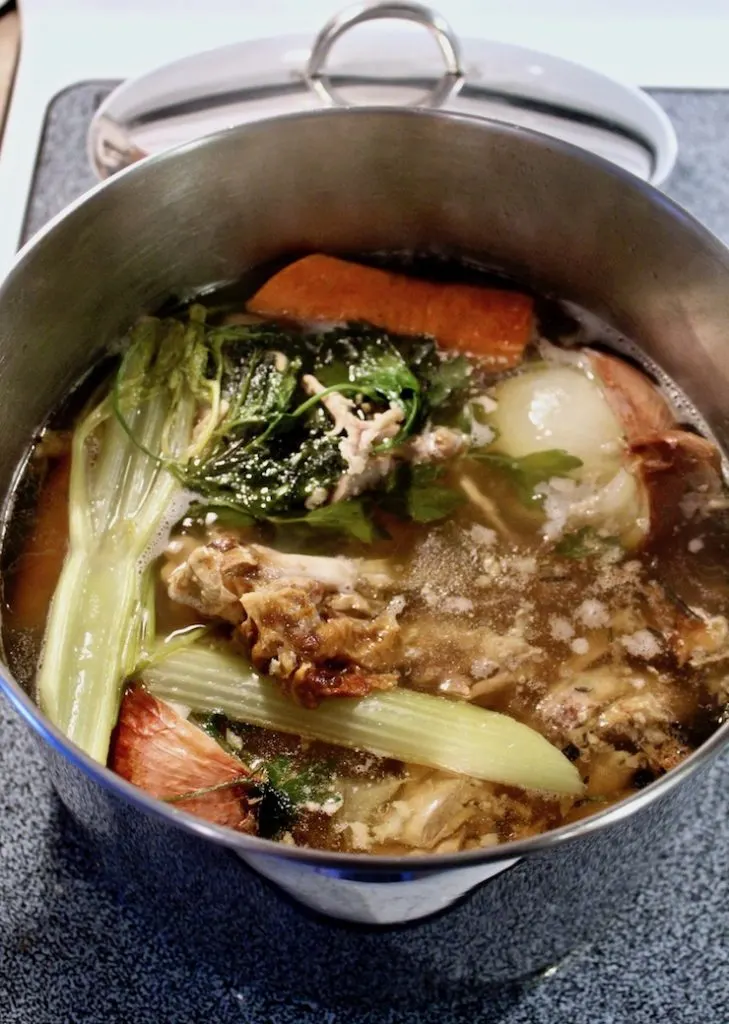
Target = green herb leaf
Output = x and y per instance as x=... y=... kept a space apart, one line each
x=310 y=782
x=449 y=378
x=583 y=543
x=272 y=478
x=277 y=789
x=444 y=381
x=259 y=372
x=527 y=472
x=235 y=518
x=272 y=449
x=427 y=500
x=369 y=362
x=267 y=446
x=349 y=517
x=285 y=788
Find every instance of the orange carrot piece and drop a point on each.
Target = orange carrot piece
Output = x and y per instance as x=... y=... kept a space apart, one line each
x=39 y=565
x=487 y=322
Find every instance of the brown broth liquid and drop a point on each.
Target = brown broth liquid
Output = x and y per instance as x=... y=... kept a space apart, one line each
x=458 y=588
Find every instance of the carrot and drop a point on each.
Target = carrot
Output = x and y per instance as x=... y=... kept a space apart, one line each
x=487 y=322
x=37 y=569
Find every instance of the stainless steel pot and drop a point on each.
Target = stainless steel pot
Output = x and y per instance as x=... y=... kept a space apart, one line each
x=350 y=181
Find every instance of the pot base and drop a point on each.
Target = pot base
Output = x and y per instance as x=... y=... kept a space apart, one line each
x=364 y=898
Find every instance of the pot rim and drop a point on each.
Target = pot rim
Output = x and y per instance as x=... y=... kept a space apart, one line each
x=359 y=863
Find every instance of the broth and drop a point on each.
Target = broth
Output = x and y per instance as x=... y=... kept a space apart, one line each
x=538 y=538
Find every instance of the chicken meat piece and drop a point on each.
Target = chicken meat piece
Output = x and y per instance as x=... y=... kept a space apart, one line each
x=612 y=772
x=445 y=655
x=703 y=640
x=437 y=812
x=574 y=702
x=212 y=578
x=411 y=815
x=692 y=636
x=321 y=626
x=361 y=436
x=159 y=751
x=680 y=473
x=426 y=811
x=614 y=707
x=647 y=721
x=295 y=635
x=641 y=409
x=435 y=444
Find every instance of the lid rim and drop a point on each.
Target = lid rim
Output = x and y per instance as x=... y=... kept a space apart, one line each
x=467 y=91
x=566 y=113
x=583 y=105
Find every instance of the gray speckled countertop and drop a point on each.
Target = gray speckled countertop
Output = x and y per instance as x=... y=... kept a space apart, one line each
x=72 y=950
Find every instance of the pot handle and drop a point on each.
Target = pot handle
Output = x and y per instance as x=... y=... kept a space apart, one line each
x=401 y=10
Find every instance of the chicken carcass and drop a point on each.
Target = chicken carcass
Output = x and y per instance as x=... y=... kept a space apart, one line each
x=321 y=626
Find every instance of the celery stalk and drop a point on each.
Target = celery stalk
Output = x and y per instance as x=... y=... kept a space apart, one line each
x=401 y=724
x=120 y=491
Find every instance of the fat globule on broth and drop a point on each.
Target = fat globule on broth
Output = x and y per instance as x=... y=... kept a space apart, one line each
x=378 y=558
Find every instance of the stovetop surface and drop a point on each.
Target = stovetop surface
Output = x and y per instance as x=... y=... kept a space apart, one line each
x=72 y=950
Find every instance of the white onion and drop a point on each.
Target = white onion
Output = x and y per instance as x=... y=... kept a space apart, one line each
x=558 y=407
x=615 y=509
